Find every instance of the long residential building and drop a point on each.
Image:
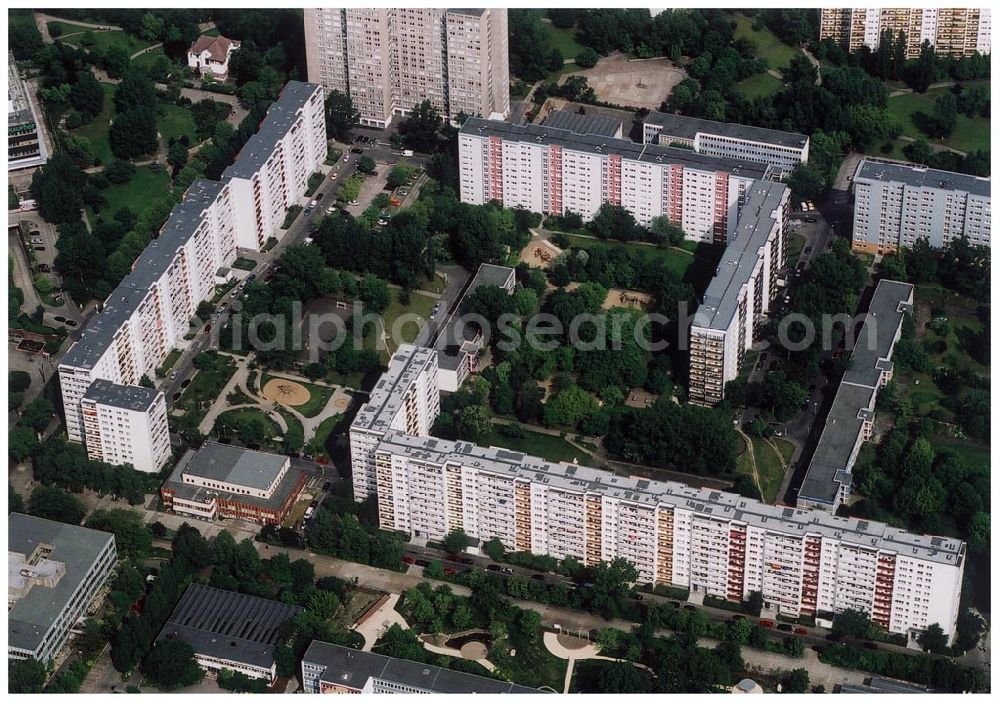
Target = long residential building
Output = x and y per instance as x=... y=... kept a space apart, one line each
x=126 y=425
x=951 y=31
x=225 y=481
x=554 y=171
x=55 y=571
x=150 y=311
x=781 y=149
x=335 y=669
x=390 y=59
x=406 y=398
x=25 y=140
x=805 y=562
x=827 y=482
x=740 y=294
x=272 y=170
x=896 y=204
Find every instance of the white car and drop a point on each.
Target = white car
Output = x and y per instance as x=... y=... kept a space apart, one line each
x=354 y=203
x=312 y=205
x=333 y=176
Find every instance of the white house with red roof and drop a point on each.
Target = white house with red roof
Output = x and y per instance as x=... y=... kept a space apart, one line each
x=210 y=56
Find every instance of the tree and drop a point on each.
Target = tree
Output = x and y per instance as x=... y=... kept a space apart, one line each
x=494 y=549
x=568 y=407
x=37 y=414
x=25 y=676
x=473 y=423
x=170 y=665
x=56 y=505
x=366 y=164
x=58 y=186
x=420 y=130
x=24 y=39
x=132 y=538
x=796 y=682
x=341 y=116
x=968 y=630
x=527 y=35
x=87 y=95
x=374 y=293
x=135 y=91
x=177 y=155
x=129 y=644
x=456 y=541
x=612 y=581
x=587 y=58
x=854 y=623
x=933 y=639
x=133 y=133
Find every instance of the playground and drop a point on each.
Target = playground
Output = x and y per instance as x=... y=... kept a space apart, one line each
x=539 y=253
x=286 y=392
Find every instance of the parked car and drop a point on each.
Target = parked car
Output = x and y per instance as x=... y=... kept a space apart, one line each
x=869 y=646
x=801 y=631
x=45 y=268
x=383 y=222
x=70 y=322
x=784 y=627
x=39 y=248
x=766 y=624
x=357 y=150
x=307 y=211
x=333 y=176
x=422 y=563
x=507 y=570
x=493 y=568
x=808 y=249
x=538 y=577
x=467 y=561
x=327 y=486
x=450 y=570
x=354 y=203
x=407 y=559
x=60 y=319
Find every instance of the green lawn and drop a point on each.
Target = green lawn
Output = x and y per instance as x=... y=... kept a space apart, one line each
x=676 y=260
x=20 y=19
x=971 y=453
x=769 y=47
x=969 y=135
x=175 y=122
x=760 y=85
x=72 y=33
x=796 y=242
x=145 y=188
x=318 y=396
x=769 y=468
x=206 y=385
x=416 y=314
x=171 y=358
x=97 y=131
x=532 y=665
x=548 y=447
x=295 y=436
x=318 y=442
x=564 y=40
x=271 y=428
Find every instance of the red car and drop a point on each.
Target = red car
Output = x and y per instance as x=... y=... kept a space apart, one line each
x=801 y=631
x=449 y=570
x=766 y=624
x=408 y=560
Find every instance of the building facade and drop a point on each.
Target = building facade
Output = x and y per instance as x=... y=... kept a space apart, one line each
x=272 y=170
x=740 y=294
x=895 y=204
x=126 y=425
x=952 y=31
x=229 y=630
x=335 y=669
x=25 y=141
x=406 y=398
x=55 y=572
x=225 y=481
x=805 y=562
x=851 y=420
x=780 y=149
x=390 y=59
x=553 y=171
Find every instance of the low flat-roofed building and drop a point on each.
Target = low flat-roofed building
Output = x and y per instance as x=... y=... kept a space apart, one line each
x=335 y=669
x=852 y=415
x=54 y=572
x=229 y=630
x=25 y=140
x=460 y=343
x=597 y=124
x=878 y=685
x=225 y=481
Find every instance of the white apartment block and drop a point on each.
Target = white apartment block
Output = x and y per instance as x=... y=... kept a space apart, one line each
x=126 y=425
x=55 y=571
x=149 y=312
x=952 y=31
x=805 y=562
x=780 y=149
x=272 y=170
x=895 y=204
x=390 y=59
x=851 y=420
x=406 y=398
x=553 y=171
x=740 y=294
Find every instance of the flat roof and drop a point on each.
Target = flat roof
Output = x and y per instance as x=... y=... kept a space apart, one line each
x=131 y=397
x=918 y=176
x=228 y=625
x=451 y=347
x=231 y=464
x=523 y=468
x=583 y=123
x=75 y=546
x=353 y=668
x=689 y=127
x=756 y=220
x=830 y=463
x=589 y=143
x=18 y=107
x=387 y=396
x=280 y=117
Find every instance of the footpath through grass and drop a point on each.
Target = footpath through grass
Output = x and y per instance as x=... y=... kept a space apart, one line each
x=548 y=447
x=677 y=261
x=970 y=134
x=760 y=85
x=145 y=188
x=777 y=53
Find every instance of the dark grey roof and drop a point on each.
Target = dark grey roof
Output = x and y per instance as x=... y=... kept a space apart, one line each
x=74 y=546
x=281 y=115
x=756 y=219
x=689 y=127
x=228 y=625
x=386 y=397
x=353 y=668
x=252 y=469
x=830 y=465
x=196 y=493
x=454 y=335
x=131 y=397
x=918 y=176
x=878 y=685
x=589 y=143
x=474 y=11
x=583 y=123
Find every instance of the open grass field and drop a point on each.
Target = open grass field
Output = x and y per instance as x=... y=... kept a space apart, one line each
x=407 y=320
x=769 y=467
x=145 y=188
x=969 y=134
x=759 y=85
x=271 y=428
x=564 y=40
x=175 y=122
x=72 y=34
x=533 y=665
x=678 y=261
x=796 y=242
x=554 y=448
x=97 y=131
x=777 y=53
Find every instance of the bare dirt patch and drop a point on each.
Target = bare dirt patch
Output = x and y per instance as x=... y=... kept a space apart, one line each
x=286 y=392
x=540 y=253
x=638 y=83
x=632 y=299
